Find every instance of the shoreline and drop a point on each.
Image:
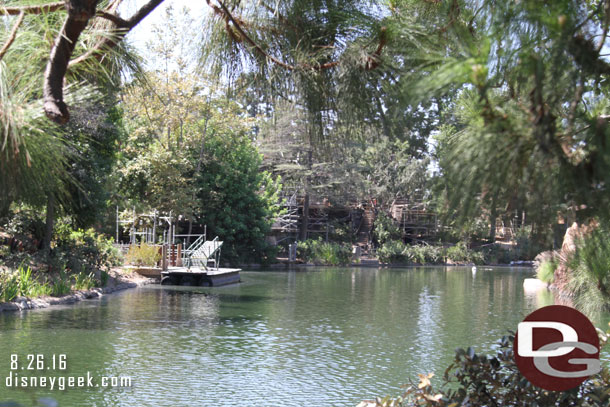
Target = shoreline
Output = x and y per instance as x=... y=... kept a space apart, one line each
x=27 y=304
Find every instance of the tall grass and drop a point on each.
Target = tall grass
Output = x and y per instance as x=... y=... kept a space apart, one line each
x=545 y=272
x=23 y=283
x=590 y=272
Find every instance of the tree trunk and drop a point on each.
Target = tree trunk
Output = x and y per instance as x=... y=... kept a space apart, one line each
x=492 y=229
x=305 y=218
x=197 y=169
x=5 y=206
x=48 y=234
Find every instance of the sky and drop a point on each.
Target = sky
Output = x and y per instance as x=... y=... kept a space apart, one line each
x=141 y=33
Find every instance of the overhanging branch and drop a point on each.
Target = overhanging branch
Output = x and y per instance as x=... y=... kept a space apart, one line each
x=12 y=35
x=122 y=27
x=79 y=14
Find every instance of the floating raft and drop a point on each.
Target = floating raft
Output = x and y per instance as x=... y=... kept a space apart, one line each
x=195 y=276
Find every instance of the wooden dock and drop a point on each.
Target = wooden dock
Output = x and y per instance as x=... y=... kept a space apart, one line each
x=195 y=276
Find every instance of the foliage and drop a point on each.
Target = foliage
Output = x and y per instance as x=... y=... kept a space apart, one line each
x=494 y=380
x=385 y=229
x=143 y=255
x=545 y=271
x=461 y=253
x=425 y=254
x=61 y=285
x=84 y=281
x=9 y=286
x=324 y=253
x=589 y=279
x=104 y=277
x=238 y=201
x=26 y=224
x=83 y=251
x=26 y=284
x=395 y=251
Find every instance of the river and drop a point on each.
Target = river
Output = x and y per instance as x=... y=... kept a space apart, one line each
x=319 y=337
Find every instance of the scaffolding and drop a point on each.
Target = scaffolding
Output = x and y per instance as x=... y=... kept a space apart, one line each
x=414 y=220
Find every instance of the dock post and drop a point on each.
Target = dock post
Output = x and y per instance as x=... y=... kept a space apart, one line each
x=179 y=255
x=164 y=257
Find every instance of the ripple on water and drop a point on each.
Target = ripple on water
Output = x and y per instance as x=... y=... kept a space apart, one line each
x=319 y=338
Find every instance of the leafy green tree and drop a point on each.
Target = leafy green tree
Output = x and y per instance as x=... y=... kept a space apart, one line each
x=238 y=201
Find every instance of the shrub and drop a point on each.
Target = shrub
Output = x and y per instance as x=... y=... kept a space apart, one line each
x=104 y=276
x=23 y=283
x=324 y=253
x=545 y=271
x=425 y=254
x=84 y=281
x=481 y=380
x=84 y=250
x=61 y=285
x=9 y=286
x=589 y=280
x=385 y=229
x=393 y=251
x=143 y=255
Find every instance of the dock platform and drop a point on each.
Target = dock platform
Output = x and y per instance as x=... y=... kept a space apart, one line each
x=196 y=276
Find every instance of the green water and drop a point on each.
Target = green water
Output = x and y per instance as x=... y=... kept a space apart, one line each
x=323 y=337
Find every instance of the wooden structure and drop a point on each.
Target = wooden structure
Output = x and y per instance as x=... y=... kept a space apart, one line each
x=415 y=221
x=288 y=225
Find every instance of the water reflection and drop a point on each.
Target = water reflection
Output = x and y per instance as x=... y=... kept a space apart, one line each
x=318 y=338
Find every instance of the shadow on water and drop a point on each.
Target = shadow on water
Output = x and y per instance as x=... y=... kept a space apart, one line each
x=320 y=337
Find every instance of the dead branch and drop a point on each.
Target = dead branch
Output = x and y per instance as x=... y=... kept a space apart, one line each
x=12 y=35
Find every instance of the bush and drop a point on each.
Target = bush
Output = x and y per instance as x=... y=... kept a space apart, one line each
x=460 y=253
x=28 y=226
x=481 y=380
x=545 y=271
x=589 y=280
x=84 y=281
x=323 y=253
x=9 y=286
x=24 y=283
x=143 y=255
x=61 y=285
x=393 y=251
x=425 y=254
x=83 y=251
x=104 y=277
x=385 y=229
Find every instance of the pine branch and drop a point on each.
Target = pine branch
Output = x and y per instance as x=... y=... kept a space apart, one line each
x=79 y=14
x=371 y=63
x=12 y=35
x=122 y=28
x=253 y=43
x=34 y=9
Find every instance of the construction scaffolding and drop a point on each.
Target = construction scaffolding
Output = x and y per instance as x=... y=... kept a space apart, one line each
x=415 y=221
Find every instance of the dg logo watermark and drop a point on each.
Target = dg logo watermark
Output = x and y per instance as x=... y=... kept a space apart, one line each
x=557 y=348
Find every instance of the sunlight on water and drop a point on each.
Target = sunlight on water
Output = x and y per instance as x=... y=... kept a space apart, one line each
x=325 y=337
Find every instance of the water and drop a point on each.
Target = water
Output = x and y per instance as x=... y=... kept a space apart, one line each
x=323 y=337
